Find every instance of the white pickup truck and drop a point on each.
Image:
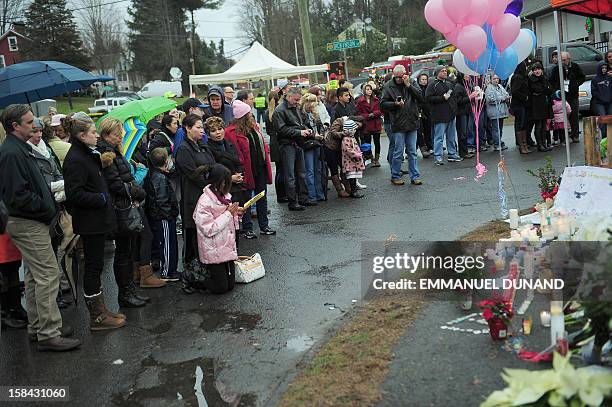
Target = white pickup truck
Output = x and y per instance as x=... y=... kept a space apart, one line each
x=108 y=104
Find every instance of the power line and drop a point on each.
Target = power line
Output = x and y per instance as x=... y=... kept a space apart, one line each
x=98 y=5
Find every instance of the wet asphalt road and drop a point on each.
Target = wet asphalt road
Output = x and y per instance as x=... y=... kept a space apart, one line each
x=244 y=346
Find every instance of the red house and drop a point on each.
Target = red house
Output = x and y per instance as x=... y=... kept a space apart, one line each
x=9 y=48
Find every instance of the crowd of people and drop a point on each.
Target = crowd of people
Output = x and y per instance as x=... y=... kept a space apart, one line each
x=72 y=196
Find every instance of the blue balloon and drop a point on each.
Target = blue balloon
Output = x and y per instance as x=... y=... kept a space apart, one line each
x=481 y=65
x=506 y=63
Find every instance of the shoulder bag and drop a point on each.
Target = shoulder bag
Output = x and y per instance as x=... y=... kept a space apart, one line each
x=129 y=219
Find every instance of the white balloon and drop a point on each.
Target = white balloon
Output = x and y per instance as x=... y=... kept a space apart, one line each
x=459 y=63
x=524 y=44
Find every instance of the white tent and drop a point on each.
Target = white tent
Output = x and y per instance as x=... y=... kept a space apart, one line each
x=257 y=64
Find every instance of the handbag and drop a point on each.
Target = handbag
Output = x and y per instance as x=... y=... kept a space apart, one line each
x=249 y=268
x=129 y=219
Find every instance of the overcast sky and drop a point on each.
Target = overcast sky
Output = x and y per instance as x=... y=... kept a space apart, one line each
x=211 y=24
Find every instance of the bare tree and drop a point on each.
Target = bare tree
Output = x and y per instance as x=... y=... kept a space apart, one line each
x=101 y=34
x=11 y=11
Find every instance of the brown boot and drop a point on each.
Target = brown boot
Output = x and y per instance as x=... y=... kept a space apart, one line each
x=522 y=139
x=339 y=187
x=99 y=318
x=148 y=279
x=136 y=272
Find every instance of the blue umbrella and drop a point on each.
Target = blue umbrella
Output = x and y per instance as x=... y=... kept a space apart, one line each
x=32 y=81
x=105 y=78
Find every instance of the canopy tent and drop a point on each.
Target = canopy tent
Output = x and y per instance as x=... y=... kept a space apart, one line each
x=257 y=64
x=590 y=8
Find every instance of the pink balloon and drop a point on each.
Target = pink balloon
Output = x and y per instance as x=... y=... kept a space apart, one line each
x=496 y=10
x=457 y=10
x=452 y=36
x=505 y=31
x=479 y=13
x=437 y=17
x=472 y=41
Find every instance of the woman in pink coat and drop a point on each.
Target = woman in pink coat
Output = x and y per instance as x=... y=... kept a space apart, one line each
x=216 y=219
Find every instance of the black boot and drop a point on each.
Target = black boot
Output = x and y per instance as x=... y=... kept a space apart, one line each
x=128 y=299
x=354 y=191
x=137 y=294
x=13 y=315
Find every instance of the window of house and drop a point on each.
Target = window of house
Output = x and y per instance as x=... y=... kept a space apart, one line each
x=2 y=63
x=12 y=41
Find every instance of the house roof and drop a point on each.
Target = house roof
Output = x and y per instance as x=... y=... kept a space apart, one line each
x=534 y=7
x=12 y=33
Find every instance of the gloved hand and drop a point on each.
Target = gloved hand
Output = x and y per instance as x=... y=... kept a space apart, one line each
x=57 y=186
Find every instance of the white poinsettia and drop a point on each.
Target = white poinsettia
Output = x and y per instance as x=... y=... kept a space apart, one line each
x=564 y=384
x=594 y=229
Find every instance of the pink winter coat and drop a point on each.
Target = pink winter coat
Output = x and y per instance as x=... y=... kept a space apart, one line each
x=558 y=112
x=216 y=229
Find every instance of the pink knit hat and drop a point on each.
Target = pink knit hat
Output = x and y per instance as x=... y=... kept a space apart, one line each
x=241 y=109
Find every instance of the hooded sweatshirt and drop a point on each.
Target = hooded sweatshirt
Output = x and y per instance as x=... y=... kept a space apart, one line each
x=226 y=113
x=601 y=87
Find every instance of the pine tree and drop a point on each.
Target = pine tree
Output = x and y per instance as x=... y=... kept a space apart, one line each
x=53 y=34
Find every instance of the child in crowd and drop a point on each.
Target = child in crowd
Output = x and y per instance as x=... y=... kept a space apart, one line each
x=216 y=218
x=352 y=158
x=162 y=210
x=558 y=123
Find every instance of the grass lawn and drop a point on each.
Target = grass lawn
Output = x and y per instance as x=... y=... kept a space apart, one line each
x=81 y=103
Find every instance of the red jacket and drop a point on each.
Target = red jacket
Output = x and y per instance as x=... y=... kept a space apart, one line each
x=244 y=154
x=8 y=251
x=373 y=124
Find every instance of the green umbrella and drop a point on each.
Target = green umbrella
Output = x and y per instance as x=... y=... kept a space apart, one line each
x=144 y=109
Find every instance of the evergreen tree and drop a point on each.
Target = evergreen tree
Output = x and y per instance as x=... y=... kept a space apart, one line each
x=53 y=34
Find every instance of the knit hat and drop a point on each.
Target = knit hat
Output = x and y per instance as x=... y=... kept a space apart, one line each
x=349 y=125
x=56 y=120
x=240 y=108
x=38 y=123
x=537 y=65
x=215 y=90
x=332 y=76
x=438 y=69
x=558 y=95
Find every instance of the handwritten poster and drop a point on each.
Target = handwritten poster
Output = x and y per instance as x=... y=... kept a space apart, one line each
x=585 y=191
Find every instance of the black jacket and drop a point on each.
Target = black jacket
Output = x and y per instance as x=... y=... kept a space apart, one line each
x=118 y=175
x=225 y=153
x=193 y=162
x=519 y=89
x=463 y=100
x=161 y=138
x=161 y=199
x=440 y=109
x=349 y=110
x=274 y=153
x=405 y=118
x=87 y=197
x=287 y=123
x=540 y=93
x=23 y=188
x=423 y=106
x=572 y=73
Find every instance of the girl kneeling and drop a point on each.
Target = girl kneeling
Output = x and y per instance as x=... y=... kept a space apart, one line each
x=216 y=219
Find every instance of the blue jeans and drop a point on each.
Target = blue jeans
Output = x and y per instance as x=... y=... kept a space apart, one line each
x=451 y=134
x=497 y=130
x=465 y=131
x=602 y=110
x=262 y=204
x=387 y=127
x=312 y=160
x=400 y=141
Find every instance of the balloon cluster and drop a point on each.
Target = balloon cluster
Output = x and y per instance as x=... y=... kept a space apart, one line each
x=487 y=34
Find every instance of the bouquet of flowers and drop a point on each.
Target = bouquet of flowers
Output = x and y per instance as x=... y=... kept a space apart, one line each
x=496 y=308
x=549 y=179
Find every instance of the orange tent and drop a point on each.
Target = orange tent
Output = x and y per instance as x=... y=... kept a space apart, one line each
x=590 y=8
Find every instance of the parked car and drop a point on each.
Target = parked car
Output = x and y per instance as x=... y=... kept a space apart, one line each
x=127 y=94
x=160 y=88
x=583 y=54
x=584 y=98
x=108 y=104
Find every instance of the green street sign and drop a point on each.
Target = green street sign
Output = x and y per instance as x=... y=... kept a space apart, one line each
x=342 y=45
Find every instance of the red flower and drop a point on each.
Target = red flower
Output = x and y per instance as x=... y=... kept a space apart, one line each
x=485 y=303
x=487 y=314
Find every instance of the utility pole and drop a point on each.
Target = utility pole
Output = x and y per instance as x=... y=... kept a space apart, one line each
x=191 y=41
x=306 y=36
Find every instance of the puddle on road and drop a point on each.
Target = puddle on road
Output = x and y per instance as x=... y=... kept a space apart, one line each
x=300 y=344
x=177 y=387
x=219 y=320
